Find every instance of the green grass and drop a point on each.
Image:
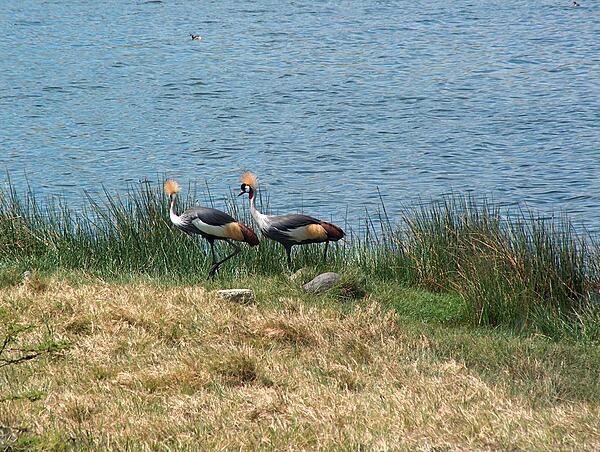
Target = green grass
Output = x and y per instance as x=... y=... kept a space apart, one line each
x=504 y=269
x=516 y=271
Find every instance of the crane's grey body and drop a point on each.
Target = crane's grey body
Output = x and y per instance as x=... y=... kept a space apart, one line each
x=287 y=229
x=204 y=221
x=212 y=224
x=292 y=229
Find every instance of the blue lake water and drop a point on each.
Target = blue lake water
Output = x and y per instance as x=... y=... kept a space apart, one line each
x=328 y=102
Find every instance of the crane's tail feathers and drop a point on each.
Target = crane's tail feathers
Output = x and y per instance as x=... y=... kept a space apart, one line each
x=171 y=187
x=249 y=236
x=334 y=233
x=249 y=178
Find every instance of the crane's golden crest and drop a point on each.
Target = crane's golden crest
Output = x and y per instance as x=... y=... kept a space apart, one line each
x=171 y=187
x=249 y=178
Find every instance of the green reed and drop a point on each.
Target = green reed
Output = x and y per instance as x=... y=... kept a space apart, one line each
x=508 y=269
x=517 y=270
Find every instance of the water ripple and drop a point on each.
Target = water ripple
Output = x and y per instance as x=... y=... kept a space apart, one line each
x=325 y=101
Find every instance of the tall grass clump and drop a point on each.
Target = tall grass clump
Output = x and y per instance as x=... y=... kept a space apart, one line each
x=508 y=269
x=115 y=234
x=25 y=229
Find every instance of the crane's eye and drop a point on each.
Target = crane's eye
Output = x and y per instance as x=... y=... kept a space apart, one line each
x=245 y=188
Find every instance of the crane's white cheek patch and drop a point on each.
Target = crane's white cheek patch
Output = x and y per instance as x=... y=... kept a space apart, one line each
x=310 y=232
x=217 y=231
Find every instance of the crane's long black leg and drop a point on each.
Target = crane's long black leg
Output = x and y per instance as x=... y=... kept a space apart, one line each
x=325 y=252
x=213 y=269
x=216 y=265
x=212 y=251
x=236 y=250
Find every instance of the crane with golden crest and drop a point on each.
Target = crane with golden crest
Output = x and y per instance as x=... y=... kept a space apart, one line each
x=211 y=224
x=291 y=229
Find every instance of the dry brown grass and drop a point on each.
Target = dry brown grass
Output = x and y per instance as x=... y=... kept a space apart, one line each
x=175 y=368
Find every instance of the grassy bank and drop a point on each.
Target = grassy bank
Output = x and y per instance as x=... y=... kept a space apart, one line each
x=147 y=366
x=457 y=328
x=520 y=271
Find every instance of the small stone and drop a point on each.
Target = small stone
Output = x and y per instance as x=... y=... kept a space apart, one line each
x=322 y=282
x=242 y=296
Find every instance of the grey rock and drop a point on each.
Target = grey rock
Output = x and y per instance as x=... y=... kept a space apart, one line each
x=322 y=282
x=242 y=296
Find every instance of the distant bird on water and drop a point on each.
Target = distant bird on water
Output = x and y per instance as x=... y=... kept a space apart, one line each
x=576 y=4
x=212 y=224
x=292 y=229
x=196 y=37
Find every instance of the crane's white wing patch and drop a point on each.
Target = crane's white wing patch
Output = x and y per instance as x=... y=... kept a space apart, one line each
x=217 y=231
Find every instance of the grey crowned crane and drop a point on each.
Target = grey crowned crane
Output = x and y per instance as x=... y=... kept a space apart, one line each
x=292 y=229
x=212 y=224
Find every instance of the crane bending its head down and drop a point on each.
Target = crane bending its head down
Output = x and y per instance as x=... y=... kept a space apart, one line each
x=291 y=229
x=211 y=224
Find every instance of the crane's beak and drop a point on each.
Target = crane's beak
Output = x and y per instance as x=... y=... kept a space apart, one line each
x=241 y=193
